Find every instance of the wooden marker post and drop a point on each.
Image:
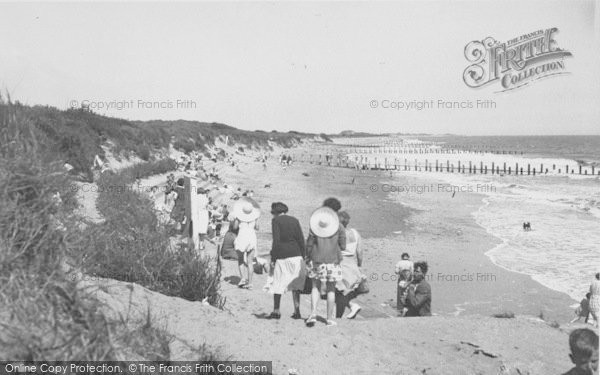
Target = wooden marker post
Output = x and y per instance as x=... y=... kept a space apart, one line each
x=192 y=230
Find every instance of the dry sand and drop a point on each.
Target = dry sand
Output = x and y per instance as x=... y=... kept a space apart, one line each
x=439 y=228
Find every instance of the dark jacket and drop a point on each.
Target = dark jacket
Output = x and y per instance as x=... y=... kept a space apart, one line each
x=326 y=250
x=418 y=300
x=288 y=240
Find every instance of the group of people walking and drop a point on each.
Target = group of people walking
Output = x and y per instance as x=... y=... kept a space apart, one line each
x=326 y=265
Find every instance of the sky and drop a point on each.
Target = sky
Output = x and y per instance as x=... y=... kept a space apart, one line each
x=304 y=66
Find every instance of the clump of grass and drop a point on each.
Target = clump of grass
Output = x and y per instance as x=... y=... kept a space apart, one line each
x=505 y=315
x=133 y=246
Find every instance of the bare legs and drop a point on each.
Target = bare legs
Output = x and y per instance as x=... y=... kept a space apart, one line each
x=316 y=296
x=245 y=266
x=295 y=298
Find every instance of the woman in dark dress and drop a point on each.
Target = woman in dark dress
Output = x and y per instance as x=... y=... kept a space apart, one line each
x=287 y=259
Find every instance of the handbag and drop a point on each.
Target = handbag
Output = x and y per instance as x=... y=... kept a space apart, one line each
x=363 y=287
x=307 y=286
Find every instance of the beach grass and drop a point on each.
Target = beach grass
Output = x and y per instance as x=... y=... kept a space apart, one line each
x=77 y=135
x=43 y=313
x=132 y=245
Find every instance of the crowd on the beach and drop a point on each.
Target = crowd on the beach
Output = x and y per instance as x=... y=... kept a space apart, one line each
x=325 y=265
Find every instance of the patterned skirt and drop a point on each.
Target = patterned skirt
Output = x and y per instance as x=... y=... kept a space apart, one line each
x=326 y=272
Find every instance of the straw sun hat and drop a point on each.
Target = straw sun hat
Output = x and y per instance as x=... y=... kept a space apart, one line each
x=246 y=209
x=324 y=222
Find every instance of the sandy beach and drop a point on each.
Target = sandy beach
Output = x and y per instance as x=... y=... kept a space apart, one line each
x=437 y=227
x=462 y=338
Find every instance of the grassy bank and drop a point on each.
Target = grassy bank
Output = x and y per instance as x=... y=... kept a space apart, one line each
x=43 y=315
x=75 y=136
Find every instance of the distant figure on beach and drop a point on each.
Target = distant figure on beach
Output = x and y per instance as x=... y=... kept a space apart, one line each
x=287 y=259
x=595 y=298
x=418 y=299
x=201 y=220
x=178 y=211
x=404 y=270
x=326 y=240
x=583 y=310
x=527 y=226
x=349 y=287
x=246 y=211
x=583 y=343
x=170 y=186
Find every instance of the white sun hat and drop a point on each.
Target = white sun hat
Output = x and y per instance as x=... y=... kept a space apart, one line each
x=246 y=209
x=324 y=222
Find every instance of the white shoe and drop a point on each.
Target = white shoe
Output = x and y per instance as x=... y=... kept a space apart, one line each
x=353 y=311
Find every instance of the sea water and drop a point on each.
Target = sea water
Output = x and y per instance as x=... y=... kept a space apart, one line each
x=562 y=251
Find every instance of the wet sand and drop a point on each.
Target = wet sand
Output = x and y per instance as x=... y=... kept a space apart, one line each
x=437 y=227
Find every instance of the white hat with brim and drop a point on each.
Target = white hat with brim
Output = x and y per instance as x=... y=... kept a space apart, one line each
x=324 y=222
x=246 y=210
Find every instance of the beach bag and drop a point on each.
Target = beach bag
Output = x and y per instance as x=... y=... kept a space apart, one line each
x=307 y=286
x=258 y=268
x=363 y=287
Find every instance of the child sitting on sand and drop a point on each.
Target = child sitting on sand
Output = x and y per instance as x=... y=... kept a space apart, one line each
x=583 y=310
x=584 y=352
x=404 y=270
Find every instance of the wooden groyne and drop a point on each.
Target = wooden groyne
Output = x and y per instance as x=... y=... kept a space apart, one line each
x=395 y=158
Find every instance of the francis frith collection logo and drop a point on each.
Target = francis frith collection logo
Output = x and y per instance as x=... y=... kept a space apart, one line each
x=515 y=63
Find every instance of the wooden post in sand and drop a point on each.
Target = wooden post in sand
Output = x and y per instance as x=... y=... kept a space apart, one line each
x=579 y=168
x=480 y=167
x=405 y=164
x=566 y=169
x=436 y=165
x=493 y=168
x=517 y=168
x=592 y=169
x=192 y=208
x=528 y=169
x=447 y=165
x=504 y=167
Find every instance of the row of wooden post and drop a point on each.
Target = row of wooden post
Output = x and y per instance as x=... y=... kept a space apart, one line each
x=411 y=150
x=345 y=161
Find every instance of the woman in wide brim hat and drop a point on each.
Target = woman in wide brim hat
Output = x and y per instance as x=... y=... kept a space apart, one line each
x=324 y=246
x=246 y=212
x=324 y=222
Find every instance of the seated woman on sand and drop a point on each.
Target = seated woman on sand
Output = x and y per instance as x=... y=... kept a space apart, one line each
x=287 y=259
x=324 y=246
x=418 y=299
